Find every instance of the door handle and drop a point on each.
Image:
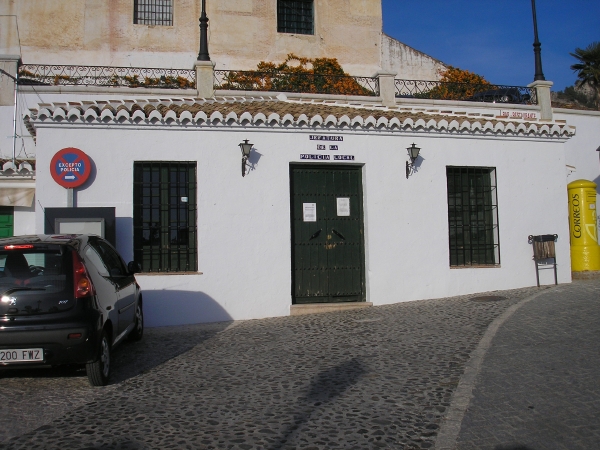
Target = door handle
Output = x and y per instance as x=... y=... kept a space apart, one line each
x=338 y=234
x=316 y=234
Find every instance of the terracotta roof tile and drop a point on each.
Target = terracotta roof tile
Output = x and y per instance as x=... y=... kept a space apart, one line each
x=358 y=116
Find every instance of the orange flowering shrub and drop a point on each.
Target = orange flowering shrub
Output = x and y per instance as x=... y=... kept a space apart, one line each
x=324 y=76
x=457 y=84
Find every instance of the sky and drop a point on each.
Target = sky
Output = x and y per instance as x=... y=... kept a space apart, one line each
x=495 y=38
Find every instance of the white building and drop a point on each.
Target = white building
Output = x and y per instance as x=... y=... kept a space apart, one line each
x=331 y=211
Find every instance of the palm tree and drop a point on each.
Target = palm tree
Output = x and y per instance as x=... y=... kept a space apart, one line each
x=588 y=67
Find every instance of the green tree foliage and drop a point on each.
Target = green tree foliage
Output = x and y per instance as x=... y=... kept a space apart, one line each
x=572 y=97
x=588 y=67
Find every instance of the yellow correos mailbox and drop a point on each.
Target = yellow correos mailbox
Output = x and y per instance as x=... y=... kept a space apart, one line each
x=585 y=251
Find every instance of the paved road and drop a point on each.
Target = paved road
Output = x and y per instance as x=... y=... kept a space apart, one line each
x=539 y=384
x=465 y=372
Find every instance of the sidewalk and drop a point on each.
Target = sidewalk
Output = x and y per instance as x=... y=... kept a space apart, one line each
x=502 y=370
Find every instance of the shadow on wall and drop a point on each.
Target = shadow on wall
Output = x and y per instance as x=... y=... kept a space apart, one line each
x=253 y=160
x=171 y=307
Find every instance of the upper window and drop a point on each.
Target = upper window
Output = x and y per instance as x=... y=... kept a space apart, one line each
x=473 y=216
x=153 y=12
x=295 y=16
x=164 y=216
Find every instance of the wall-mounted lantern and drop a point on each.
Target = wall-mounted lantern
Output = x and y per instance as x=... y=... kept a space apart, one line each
x=413 y=153
x=246 y=147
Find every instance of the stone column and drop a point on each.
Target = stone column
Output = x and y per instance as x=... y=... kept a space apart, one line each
x=387 y=88
x=205 y=78
x=542 y=88
x=8 y=63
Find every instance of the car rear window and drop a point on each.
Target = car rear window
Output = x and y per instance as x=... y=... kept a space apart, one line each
x=34 y=267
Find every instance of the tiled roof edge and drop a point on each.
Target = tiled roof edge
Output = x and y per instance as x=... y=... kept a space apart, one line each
x=283 y=113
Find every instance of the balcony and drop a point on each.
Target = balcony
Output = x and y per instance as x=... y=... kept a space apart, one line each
x=296 y=82
x=273 y=81
x=103 y=76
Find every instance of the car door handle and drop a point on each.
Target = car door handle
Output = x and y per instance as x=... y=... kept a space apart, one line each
x=316 y=234
x=338 y=234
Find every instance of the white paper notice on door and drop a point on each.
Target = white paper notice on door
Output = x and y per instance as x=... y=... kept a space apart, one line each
x=343 y=206
x=309 y=212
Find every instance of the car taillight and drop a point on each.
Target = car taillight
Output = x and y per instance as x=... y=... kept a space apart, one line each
x=82 y=283
x=17 y=247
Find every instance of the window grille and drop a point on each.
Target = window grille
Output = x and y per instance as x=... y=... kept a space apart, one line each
x=165 y=216
x=153 y=12
x=473 y=216
x=295 y=16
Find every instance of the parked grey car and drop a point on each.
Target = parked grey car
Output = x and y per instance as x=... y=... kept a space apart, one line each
x=66 y=299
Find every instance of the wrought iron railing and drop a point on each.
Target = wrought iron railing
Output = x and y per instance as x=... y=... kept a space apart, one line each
x=295 y=82
x=134 y=77
x=137 y=77
x=439 y=90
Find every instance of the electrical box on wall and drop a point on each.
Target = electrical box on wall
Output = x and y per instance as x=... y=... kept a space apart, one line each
x=94 y=220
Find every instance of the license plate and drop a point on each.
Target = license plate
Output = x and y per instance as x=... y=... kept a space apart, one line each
x=21 y=355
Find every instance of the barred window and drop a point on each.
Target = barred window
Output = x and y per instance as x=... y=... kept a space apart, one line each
x=153 y=12
x=164 y=216
x=295 y=16
x=473 y=216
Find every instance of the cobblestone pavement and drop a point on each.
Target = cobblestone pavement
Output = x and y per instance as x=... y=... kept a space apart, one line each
x=381 y=377
x=539 y=384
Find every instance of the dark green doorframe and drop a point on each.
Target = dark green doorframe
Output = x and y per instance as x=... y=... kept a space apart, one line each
x=328 y=257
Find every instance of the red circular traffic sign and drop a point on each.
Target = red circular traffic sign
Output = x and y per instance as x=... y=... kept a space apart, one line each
x=70 y=167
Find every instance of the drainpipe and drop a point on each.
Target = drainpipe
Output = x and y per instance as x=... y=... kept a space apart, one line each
x=10 y=62
x=14 y=134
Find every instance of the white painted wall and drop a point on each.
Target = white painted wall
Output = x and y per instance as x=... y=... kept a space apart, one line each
x=581 y=151
x=408 y=63
x=244 y=226
x=24 y=220
x=582 y=157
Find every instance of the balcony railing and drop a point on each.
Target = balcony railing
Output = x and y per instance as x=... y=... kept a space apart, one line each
x=133 y=77
x=137 y=77
x=491 y=93
x=295 y=82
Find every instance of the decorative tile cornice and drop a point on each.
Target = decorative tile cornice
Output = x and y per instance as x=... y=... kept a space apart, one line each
x=20 y=169
x=279 y=112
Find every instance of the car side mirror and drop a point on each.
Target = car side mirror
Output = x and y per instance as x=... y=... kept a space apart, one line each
x=134 y=267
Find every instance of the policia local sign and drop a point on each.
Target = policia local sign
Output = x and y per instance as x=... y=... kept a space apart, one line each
x=321 y=157
x=70 y=167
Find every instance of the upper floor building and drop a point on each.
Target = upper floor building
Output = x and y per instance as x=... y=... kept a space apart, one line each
x=165 y=34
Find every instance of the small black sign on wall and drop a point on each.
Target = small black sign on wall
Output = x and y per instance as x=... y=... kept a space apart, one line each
x=94 y=220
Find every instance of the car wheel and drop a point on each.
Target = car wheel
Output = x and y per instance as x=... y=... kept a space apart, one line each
x=138 y=329
x=99 y=370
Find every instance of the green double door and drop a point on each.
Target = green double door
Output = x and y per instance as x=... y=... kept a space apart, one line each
x=327 y=234
x=6 y=221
